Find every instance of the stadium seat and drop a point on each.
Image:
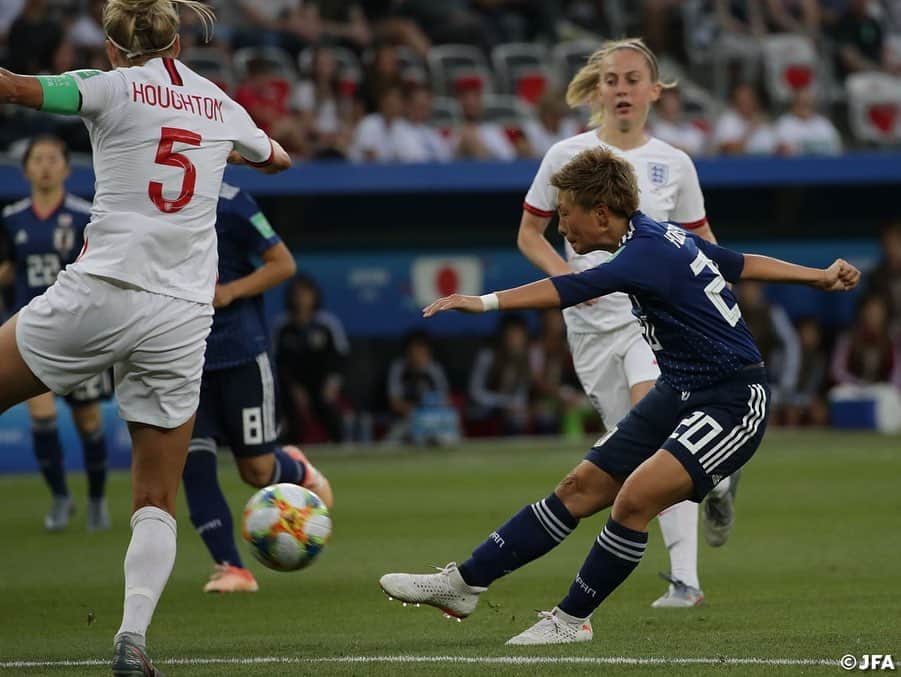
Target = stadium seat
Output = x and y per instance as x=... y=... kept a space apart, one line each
x=511 y=60
x=445 y=113
x=790 y=63
x=874 y=106
x=348 y=64
x=471 y=77
x=446 y=62
x=212 y=64
x=505 y=110
x=278 y=59
x=569 y=57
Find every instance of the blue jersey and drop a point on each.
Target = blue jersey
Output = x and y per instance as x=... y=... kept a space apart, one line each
x=240 y=331
x=41 y=246
x=676 y=282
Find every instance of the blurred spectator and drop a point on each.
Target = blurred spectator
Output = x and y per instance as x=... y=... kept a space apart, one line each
x=419 y=141
x=33 y=39
x=380 y=136
x=418 y=396
x=264 y=94
x=478 y=139
x=867 y=353
x=803 y=131
x=552 y=123
x=288 y=24
x=518 y=20
x=310 y=351
x=807 y=404
x=558 y=403
x=776 y=338
x=885 y=280
x=9 y=11
x=737 y=48
x=344 y=22
x=859 y=40
x=671 y=126
x=501 y=379
x=794 y=16
x=743 y=128
x=382 y=72
x=390 y=21
x=661 y=23
x=87 y=30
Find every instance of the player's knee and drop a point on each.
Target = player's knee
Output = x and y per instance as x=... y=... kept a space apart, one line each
x=255 y=474
x=578 y=498
x=87 y=420
x=632 y=507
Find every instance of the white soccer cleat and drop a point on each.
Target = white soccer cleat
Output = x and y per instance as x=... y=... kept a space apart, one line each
x=445 y=590
x=678 y=595
x=718 y=514
x=554 y=627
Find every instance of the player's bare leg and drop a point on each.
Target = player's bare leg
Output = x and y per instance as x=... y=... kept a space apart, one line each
x=287 y=464
x=158 y=459
x=17 y=382
x=89 y=423
x=656 y=484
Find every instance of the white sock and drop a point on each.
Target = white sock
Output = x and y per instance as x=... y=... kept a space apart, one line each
x=679 y=526
x=148 y=563
x=720 y=489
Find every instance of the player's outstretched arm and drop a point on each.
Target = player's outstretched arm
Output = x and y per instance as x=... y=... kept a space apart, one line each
x=840 y=276
x=23 y=90
x=536 y=295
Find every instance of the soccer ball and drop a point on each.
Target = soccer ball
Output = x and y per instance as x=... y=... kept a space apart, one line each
x=287 y=526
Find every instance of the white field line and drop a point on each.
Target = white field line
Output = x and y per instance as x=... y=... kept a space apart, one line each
x=468 y=660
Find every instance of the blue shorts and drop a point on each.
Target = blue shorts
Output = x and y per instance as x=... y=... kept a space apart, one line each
x=712 y=432
x=237 y=408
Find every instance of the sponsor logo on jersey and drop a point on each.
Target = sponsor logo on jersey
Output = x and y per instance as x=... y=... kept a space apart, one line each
x=658 y=173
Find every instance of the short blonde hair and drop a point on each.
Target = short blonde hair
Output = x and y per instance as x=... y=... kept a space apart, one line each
x=141 y=28
x=583 y=89
x=597 y=176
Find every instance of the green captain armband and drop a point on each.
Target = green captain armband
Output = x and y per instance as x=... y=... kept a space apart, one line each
x=61 y=93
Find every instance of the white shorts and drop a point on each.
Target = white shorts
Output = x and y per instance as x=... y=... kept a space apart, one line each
x=84 y=324
x=609 y=364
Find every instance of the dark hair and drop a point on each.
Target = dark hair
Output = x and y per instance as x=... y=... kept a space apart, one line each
x=597 y=176
x=45 y=138
x=417 y=336
x=302 y=281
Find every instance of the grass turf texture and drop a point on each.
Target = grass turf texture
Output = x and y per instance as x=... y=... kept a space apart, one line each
x=811 y=571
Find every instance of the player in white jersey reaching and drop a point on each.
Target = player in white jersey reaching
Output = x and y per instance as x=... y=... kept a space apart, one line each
x=615 y=364
x=139 y=298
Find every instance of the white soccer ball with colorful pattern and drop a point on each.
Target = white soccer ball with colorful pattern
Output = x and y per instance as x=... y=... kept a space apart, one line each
x=287 y=526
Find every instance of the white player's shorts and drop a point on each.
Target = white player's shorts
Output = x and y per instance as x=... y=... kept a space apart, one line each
x=84 y=324
x=609 y=364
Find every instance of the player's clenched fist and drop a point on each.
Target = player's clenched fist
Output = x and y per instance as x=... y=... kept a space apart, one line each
x=840 y=276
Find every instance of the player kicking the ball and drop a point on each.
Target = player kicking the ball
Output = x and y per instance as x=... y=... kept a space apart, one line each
x=237 y=396
x=139 y=297
x=702 y=421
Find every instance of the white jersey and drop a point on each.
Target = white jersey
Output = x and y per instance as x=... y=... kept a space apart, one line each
x=161 y=135
x=668 y=191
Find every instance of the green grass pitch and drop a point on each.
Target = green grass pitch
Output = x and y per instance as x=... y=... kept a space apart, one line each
x=812 y=571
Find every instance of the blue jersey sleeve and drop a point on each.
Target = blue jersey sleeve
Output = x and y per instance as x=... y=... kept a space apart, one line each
x=259 y=234
x=626 y=271
x=729 y=262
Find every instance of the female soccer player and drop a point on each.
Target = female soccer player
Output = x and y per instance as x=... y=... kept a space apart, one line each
x=139 y=297
x=614 y=363
x=43 y=233
x=702 y=421
x=237 y=395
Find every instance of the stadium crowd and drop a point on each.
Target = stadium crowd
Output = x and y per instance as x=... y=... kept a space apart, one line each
x=418 y=81
x=413 y=81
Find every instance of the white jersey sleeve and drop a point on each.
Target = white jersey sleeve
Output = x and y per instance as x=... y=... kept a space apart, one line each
x=101 y=92
x=251 y=142
x=689 y=208
x=541 y=200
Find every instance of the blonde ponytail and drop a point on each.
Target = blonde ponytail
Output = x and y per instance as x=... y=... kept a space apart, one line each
x=583 y=89
x=140 y=28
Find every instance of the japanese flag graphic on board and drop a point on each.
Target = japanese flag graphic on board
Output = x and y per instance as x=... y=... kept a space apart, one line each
x=437 y=276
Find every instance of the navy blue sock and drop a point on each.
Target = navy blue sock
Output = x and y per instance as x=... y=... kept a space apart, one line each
x=287 y=468
x=614 y=555
x=532 y=532
x=49 y=453
x=207 y=506
x=94 y=445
